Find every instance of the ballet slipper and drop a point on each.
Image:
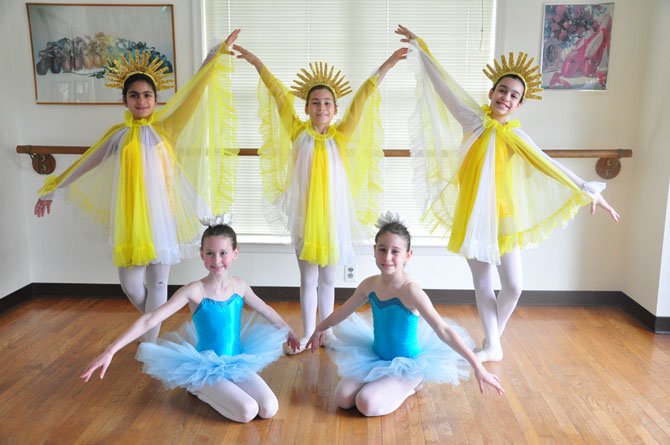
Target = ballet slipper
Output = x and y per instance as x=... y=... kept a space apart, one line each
x=484 y=346
x=489 y=355
x=301 y=348
x=328 y=338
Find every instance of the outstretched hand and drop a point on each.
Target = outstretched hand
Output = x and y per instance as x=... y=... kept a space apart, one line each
x=315 y=341
x=293 y=341
x=102 y=361
x=605 y=205
x=232 y=37
x=493 y=380
x=409 y=35
x=43 y=207
x=247 y=55
x=222 y=48
x=397 y=56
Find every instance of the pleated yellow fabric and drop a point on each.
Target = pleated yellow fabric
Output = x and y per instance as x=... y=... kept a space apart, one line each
x=134 y=244
x=148 y=181
x=324 y=210
x=498 y=190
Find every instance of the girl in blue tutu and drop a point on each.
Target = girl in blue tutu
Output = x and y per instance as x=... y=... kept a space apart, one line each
x=408 y=343
x=218 y=354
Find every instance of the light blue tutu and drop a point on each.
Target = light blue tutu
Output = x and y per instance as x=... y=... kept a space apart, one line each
x=176 y=362
x=353 y=353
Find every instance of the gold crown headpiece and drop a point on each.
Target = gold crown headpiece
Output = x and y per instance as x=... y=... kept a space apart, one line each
x=138 y=63
x=531 y=76
x=320 y=75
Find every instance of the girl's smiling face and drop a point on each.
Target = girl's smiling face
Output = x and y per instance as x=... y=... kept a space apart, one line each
x=505 y=98
x=217 y=254
x=320 y=108
x=391 y=253
x=140 y=99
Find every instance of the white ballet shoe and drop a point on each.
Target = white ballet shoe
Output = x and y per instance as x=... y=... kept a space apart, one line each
x=301 y=348
x=489 y=355
x=328 y=338
x=484 y=345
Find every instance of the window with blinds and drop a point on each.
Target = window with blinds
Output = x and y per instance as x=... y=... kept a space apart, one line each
x=356 y=37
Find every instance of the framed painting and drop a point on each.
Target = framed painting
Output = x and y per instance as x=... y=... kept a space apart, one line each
x=74 y=44
x=576 y=45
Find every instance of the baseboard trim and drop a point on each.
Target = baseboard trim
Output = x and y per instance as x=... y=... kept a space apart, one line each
x=659 y=325
x=15 y=298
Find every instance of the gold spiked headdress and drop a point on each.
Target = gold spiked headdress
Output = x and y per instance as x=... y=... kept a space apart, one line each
x=531 y=75
x=138 y=62
x=320 y=75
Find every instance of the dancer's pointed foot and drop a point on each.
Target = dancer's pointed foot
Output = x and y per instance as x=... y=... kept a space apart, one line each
x=484 y=346
x=328 y=338
x=489 y=355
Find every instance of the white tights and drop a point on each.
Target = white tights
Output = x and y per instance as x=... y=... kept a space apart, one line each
x=241 y=401
x=378 y=398
x=495 y=313
x=147 y=297
x=317 y=289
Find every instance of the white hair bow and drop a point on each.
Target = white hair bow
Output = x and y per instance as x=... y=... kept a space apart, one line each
x=217 y=220
x=388 y=217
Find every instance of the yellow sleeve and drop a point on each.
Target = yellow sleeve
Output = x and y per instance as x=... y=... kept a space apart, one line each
x=359 y=137
x=279 y=127
x=200 y=122
x=88 y=161
x=353 y=115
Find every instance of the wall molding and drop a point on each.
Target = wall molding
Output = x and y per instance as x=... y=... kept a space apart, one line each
x=659 y=325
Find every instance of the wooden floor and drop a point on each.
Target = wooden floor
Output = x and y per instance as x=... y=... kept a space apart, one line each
x=572 y=375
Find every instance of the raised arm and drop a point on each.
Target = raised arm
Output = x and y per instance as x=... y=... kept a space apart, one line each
x=185 y=102
x=397 y=56
x=457 y=100
x=418 y=298
x=139 y=327
x=358 y=104
x=266 y=311
x=281 y=95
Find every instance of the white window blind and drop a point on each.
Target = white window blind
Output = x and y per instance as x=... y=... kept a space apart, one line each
x=355 y=36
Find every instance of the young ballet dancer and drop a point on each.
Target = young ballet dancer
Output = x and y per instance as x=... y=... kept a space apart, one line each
x=323 y=176
x=218 y=354
x=149 y=179
x=382 y=365
x=499 y=192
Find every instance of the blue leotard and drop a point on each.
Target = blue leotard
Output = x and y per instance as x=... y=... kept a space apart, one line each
x=395 y=329
x=221 y=342
x=218 y=325
x=399 y=343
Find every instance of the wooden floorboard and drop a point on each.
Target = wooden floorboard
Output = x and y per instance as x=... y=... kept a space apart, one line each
x=572 y=375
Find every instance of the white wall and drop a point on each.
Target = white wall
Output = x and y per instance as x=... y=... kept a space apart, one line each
x=587 y=255
x=647 y=262
x=14 y=248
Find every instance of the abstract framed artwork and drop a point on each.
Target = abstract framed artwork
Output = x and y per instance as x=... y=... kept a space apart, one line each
x=74 y=44
x=576 y=45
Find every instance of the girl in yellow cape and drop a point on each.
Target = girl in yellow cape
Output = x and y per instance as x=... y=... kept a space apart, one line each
x=324 y=178
x=149 y=179
x=499 y=192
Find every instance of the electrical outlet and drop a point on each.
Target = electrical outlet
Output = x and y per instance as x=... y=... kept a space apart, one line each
x=349 y=273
